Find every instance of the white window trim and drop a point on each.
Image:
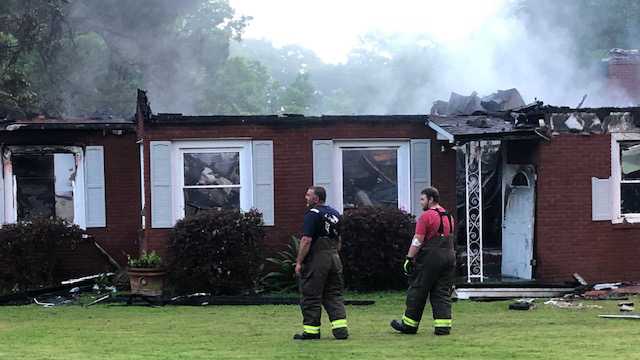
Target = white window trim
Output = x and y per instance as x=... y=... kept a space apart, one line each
x=10 y=186
x=404 y=168
x=616 y=178
x=142 y=195
x=178 y=148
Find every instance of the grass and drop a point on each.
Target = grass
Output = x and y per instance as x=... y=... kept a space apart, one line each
x=481 y=331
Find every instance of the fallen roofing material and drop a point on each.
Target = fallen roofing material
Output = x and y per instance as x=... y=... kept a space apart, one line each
x=627 y=316
x=511 y=293
x=502 y=100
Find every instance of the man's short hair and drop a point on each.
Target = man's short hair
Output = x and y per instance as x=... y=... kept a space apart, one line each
x=320 y=192
x=431 y=192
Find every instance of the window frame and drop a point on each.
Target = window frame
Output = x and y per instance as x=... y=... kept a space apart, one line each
x=11 y=188
x=403 y=168
x=616 y=177
x=179 y=148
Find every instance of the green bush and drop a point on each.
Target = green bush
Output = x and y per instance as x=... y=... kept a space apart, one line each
x=146 y=260
x=29 y=252
x=283 y=278
x=216 y=251
x=374 y=244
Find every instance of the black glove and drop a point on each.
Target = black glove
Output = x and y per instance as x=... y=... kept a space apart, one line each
x=409 y=265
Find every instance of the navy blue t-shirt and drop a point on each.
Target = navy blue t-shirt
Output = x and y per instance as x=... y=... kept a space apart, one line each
x=321 y=220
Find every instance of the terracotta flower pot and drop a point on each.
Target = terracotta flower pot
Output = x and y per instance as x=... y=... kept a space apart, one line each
x=145 y=281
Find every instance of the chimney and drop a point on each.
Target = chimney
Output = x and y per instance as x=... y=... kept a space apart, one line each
x=623 y=74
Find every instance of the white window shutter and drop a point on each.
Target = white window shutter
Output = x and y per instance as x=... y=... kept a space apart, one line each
x=161 y=196
x=323 y=166
x=95 y=205
x=601 y=202
x=420 y=171
x=263 y=192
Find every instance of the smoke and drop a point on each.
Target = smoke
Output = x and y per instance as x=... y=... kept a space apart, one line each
x=171 y=48
x=548 y=50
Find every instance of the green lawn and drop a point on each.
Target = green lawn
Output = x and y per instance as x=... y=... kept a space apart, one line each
x=481 y=331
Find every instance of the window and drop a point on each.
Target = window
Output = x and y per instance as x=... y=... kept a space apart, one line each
x=44 y=185
x=630 y=177
x=623 y=197
x=372 y=173
x=44 y=181
x=211 y=180
x=212 y=175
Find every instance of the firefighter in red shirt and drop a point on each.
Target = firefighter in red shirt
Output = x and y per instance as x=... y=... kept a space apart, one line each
x=430 y=266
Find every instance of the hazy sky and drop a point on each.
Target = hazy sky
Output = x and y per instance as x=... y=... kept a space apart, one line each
x=332 y=28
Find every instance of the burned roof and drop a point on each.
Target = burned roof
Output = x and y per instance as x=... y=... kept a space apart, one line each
x=68 y=123
x=536 y=120
x=291 y=119
x=144 y=110
x=469 y=127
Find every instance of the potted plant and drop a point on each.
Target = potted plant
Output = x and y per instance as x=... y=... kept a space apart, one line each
x=146 y=274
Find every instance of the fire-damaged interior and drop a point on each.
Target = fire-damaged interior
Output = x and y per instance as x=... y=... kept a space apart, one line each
x=42 y=181
x=497 y=172
x=44 y=185
x=211 y=180
x=370 y=177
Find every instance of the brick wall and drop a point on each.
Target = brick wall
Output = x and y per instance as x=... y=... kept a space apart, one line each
x=122 y=190
x=624 y=79
x=567 y=241
x=293 y=163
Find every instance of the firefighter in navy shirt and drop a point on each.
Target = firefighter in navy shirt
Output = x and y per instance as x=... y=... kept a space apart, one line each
x=319 y=268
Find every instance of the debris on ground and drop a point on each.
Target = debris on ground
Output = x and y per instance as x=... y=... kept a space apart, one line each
x=626 y=306
x=603 y=291
x=607 y=286
x=65 y=292
x=635 y=316
x=523 y=304
x=564 y=304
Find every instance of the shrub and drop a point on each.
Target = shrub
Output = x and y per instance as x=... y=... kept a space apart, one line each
x=216 y=251
x=283 y=278
x=374 y=244
x=146 y=260
x=29 y=252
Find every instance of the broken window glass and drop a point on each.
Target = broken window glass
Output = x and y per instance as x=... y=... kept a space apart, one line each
x=44 y=185
x=211 y=180
x=203 y=199
x=630 y=160
x=630 y=184
x=370 y=177
x=215 y=168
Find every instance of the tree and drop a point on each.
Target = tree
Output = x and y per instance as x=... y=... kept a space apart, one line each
x=31 y=37
x=84 y=56
x=299 y=97
x=239 y=87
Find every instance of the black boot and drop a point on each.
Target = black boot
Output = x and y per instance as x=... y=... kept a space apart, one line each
x=400 y=326
x=442 y=331
x=306 y=336
x=341 y=333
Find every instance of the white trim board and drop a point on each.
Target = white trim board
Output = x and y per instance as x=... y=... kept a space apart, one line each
x=442 y=134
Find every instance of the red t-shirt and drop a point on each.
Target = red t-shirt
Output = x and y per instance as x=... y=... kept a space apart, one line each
x=429 y=223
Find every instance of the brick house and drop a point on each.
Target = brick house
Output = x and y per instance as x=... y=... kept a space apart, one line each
x=570 y=191
x=267 y=162
x=84 y=170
